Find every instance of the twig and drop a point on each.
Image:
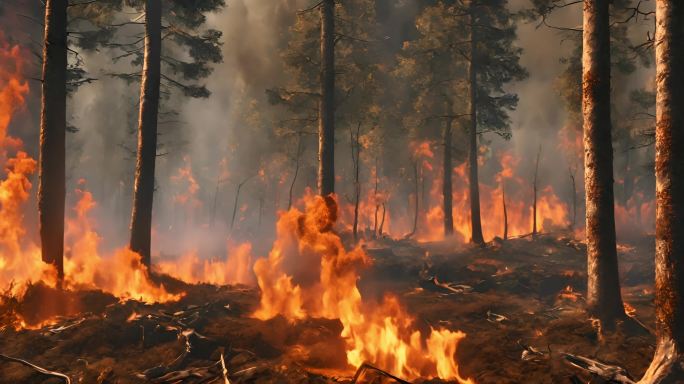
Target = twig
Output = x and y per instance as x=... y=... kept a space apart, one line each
x=38 y=369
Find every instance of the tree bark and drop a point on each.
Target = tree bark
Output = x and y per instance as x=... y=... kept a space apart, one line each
x=298 y=156
x=326 y=114
x=668 y=363
x=447 y=189
x=535 y=190
x=143 y=193
x=475 y=220
x=603 y=293
x=505 y=210
x=356 y=159
x=52 y=174
x=574 y=198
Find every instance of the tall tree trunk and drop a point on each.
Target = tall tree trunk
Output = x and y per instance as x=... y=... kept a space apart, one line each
x=475 y=220
x=356 y=159
x=298 y=157
x=535 y=188
x=143 y=194
x=326 y=114
x=375 y=198
x=603 y=293
x=447 y=190
x=416 y=198
x=574 y=198
x=52 y=174
x=505 y=210
x=668 y=363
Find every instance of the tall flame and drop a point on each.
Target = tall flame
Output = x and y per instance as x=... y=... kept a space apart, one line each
x=20 y=260
x=121 y=274
x=310 y=273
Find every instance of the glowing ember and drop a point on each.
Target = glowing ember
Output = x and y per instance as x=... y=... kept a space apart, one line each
x=309 y=273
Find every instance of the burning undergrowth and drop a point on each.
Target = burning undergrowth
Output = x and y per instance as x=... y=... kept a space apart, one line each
x=309 y=273
x=21 y=267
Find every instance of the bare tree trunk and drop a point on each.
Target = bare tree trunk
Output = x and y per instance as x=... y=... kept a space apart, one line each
x=416 y=199
x=236 y=201
x=447 y=189
x=574 y=197
x=298 y=157
x=475 y=220
x=143 y=194
x=326 y=118
x=356 y=151
x=52 y=173
x=505 y=211
x=535 y=189
x=603 y=294
x=377 y=206
x=382 y=221
x=668 y=362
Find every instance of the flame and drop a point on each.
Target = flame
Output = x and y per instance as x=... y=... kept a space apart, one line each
x=309 y=273
x=552 y=212
x=121 y=274
x=20 y=260
x=235 y=269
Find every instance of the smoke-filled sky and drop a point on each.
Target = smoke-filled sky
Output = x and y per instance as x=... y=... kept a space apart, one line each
x=211 y=137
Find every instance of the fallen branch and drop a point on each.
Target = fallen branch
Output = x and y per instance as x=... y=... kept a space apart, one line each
x=609 y=373
x=360 y=377
x=38 y=369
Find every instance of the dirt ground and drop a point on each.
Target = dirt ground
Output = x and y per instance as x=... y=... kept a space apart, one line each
x=520 y=302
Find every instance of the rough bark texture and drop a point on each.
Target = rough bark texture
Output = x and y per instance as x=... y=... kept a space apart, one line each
x=475 y=220
x=326 y=114
x=141 y=220
x=668 y=363
x=52 y=174
x=603 y=293
x=535 y=190
x=505 y=210
x=447 y=191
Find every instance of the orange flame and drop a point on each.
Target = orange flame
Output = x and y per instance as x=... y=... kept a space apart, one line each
x=310 y=273
x=121 y=274
x=235 y=269
x=20 y=260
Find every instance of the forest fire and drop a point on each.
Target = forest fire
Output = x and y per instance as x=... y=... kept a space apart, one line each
x=356 y=191
x=20 y=260
x=310 y=274
x=552 y=212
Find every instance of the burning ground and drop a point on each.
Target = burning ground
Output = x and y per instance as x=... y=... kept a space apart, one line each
x=516 y=308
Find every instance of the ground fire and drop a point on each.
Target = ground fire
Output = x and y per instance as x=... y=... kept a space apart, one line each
x=358 y=191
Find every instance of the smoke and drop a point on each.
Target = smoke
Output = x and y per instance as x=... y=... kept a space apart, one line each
x=229 y=138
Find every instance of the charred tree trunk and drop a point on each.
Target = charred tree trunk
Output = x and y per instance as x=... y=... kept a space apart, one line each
x=447 y=189
x=416 y=198
x=298 y=157
x=574 y=198
x=382 y=220
x=237 y=200
x=143 y=194
x=375 y=196
x=505 y=210
x=603 y=293
x=52 y=174
x=535 y=190
x=326 y=114
x=668 y=362
x=356 y=159
x=475 y=220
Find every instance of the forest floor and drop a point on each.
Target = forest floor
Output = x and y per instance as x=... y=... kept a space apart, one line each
x=508 y=297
